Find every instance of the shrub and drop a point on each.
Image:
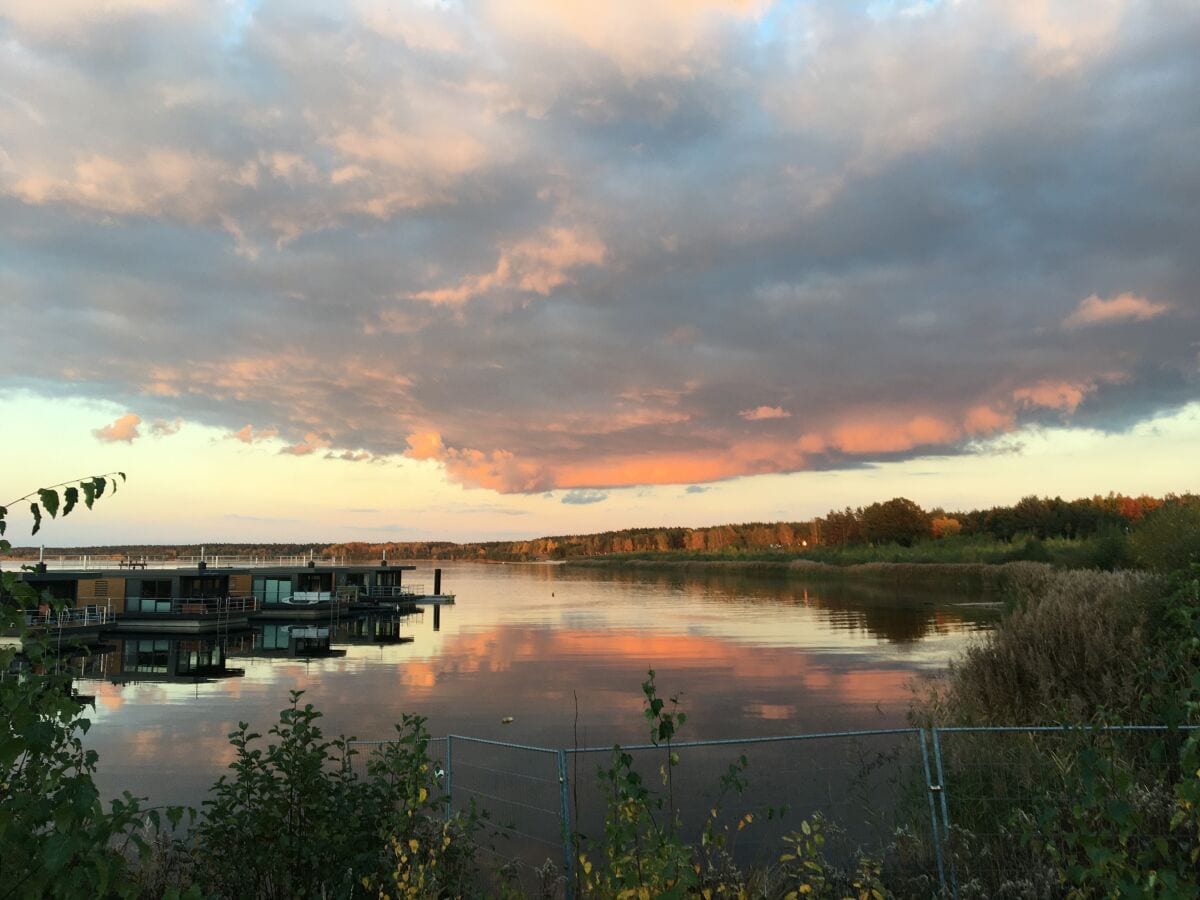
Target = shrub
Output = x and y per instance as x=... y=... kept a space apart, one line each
x=1168 y=538
x=56 y=837
x=1075 y=648
x=294 y=820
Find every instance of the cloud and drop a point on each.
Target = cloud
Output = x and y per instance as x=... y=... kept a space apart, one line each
x=311 y=443
x=248 y=435
x=580 y=497
x=543 y=247
x=1060 y=395
x=124 y=429
x=538 y=265
x=759 y=413
x=164 y=427
x=696 y=489
x=1121 y=308
x=350 y=456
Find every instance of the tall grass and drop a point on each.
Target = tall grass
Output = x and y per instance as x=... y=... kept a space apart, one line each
x=1075 y=647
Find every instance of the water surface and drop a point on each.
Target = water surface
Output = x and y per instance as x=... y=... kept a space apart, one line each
x=749 y=655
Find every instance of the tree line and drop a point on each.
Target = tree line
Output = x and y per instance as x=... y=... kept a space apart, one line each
x=897 y=521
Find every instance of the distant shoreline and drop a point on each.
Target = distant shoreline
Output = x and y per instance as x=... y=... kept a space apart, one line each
x=980 y=577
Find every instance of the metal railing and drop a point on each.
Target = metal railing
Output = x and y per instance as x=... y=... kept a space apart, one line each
x=199 y=606
x=109 y=562
x=949 y=812
x=70 y=617
x=396 y=592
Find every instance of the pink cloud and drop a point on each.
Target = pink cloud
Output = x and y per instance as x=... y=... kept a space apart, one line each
x=123 y=429
x=1122 y=308
x=247 y=435
x=312 y=442
x=499 y=470
x=425 y=445
x=760 y=413
x=537 y=265
x=984 y=420
x=1063 y=395
x=880 y=434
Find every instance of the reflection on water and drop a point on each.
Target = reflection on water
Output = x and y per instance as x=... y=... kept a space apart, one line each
x=149 y=658
x=751 y=656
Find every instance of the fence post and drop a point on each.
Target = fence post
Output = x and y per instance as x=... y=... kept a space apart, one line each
x=930 y=790
x=564 y=812
x=941 y=780
x=449 y=775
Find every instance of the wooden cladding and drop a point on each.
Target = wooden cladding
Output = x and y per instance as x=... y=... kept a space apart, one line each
x=102 y=591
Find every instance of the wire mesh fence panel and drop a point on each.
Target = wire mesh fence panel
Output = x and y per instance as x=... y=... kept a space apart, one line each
x=868 y=791
x=517 y=792
x=953 y=812
x=1032 y=812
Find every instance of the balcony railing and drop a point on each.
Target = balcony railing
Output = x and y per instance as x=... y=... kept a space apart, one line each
x=199 y=606
x=396 y=592
x=104 y=562
x=70 y=617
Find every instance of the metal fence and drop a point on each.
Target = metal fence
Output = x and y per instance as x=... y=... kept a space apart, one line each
x=947 y=812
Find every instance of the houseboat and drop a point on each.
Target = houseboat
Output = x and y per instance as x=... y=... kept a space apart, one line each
x=211 y=595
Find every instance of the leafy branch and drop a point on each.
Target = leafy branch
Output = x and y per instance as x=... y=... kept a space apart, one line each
x=49 y=500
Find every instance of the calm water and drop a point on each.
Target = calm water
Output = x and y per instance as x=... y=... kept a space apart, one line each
x=750 y=655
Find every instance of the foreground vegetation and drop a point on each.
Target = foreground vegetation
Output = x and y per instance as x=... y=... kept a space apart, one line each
x=1076 y=813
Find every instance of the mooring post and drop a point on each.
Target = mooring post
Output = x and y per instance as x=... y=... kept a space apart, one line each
x=564 y=812
x=437 y=582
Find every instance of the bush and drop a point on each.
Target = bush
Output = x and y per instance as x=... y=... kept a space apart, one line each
x=1075 y=648
x=295 y=821
x=1168 y=538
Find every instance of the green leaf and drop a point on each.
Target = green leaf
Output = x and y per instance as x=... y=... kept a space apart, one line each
x=49 y=500
x=70 y=498
x=37 y=517
x=58 y=852
x=122 y=474
x=89 y=493
x=99 y=481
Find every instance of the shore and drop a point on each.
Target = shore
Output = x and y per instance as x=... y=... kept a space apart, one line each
x=984 y=578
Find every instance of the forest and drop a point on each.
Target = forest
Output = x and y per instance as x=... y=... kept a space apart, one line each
x=898 y=523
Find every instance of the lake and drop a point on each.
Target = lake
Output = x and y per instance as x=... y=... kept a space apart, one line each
x=749 y=655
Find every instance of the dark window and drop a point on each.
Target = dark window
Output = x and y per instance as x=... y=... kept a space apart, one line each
x=156 y=588
x=202 y=586
x=316 y=581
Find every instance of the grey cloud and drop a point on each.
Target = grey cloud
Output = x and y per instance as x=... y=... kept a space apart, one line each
x=230 y=232
x=582 y=497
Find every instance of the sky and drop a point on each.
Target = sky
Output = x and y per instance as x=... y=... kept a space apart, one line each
x=408 y=270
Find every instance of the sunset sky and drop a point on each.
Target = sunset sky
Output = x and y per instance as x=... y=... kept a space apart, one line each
x=322 y=271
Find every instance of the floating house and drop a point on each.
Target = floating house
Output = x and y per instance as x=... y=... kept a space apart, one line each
x=214 y=595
